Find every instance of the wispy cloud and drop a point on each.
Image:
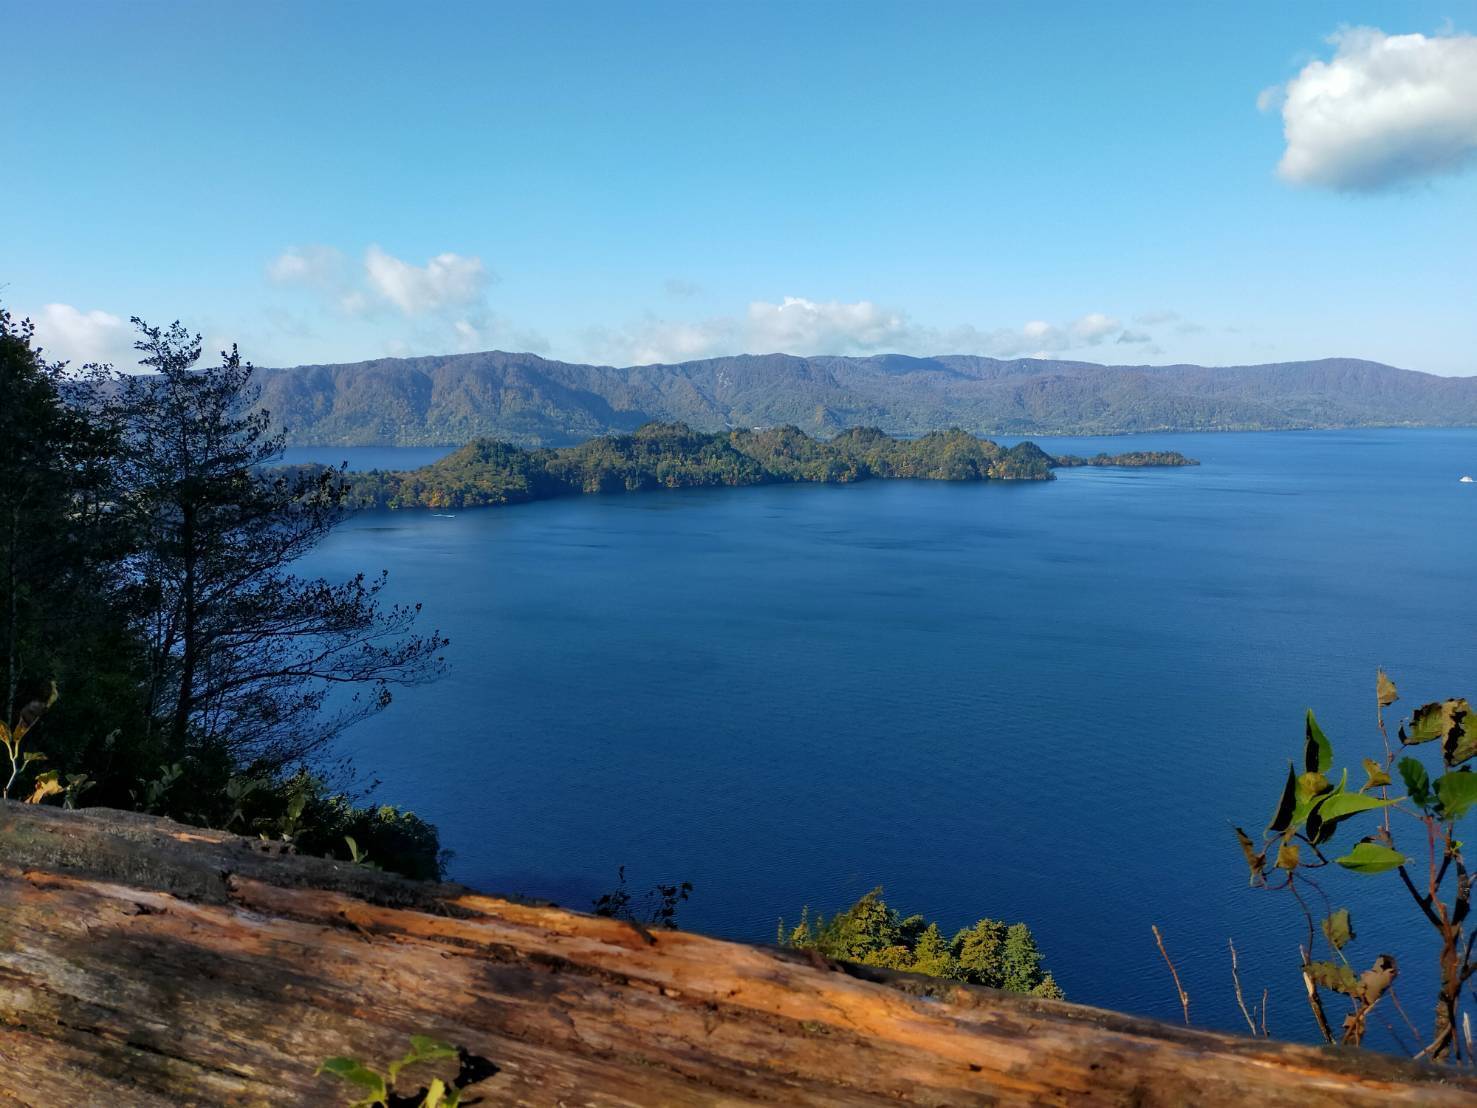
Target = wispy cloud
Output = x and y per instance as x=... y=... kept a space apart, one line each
x=1385 y=110
x=317 y=266
x=447 y=281
x=446 y=297
x=798 y=325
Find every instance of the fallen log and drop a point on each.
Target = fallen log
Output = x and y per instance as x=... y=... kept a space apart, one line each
x=145 y=963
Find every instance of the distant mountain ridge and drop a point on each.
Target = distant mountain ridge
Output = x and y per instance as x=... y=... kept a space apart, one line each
x=523 y=398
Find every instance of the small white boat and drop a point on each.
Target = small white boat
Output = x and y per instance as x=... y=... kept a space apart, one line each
x=1466 y=480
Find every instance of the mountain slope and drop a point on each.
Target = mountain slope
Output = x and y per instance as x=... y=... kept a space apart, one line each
x=531 y=400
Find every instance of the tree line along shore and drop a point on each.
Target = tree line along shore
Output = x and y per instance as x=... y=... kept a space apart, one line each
x=486 y=472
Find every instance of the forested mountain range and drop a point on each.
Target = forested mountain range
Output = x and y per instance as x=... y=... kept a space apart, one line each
x=526 y=399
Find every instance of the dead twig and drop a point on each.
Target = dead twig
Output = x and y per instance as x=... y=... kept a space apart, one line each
x=1315 y=1002
x=1184 y=996
x=1236 y=981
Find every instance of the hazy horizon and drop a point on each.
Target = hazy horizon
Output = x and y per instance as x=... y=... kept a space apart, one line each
x=874 y=354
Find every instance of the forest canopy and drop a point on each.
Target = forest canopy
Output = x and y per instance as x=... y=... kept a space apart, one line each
x=160 y=651
x=991 y=953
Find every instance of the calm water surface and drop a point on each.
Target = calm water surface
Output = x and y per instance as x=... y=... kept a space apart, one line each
x=1038 y=701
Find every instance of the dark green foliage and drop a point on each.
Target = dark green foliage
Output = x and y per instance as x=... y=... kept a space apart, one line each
x=990 y=953
x=657 y=907
x=59 y=615
x=1131 y=459
x=303 y=809
x=532 y=401
x=673 y=455
x=145 y=596
x=241 y=651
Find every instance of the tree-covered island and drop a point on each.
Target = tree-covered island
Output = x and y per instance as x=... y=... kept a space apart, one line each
x=672 y=455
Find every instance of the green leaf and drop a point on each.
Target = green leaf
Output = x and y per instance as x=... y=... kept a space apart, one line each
x=428 y=1049
x=1376 y=773
x=1335 y=976
x=1282 y=818
x=1384 y=689
x=1343 y=805
x=423 y=1048
x=357 y=1073
x=1313 y=825
x=1317 y=750
x=1457 y=791
x=1338 y=930
x=1337 y=807
x=1417 y=781
x=1368 y=857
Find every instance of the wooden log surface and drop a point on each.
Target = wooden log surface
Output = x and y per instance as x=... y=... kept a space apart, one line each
x=144 y=963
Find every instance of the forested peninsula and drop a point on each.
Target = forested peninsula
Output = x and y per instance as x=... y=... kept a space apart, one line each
x=672 y=455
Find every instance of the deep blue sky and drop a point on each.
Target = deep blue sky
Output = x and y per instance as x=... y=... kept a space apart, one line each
x=623 y=182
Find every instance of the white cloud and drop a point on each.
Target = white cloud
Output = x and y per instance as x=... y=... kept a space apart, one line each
x=1386 y=109
x=1094 y=327
x=676 y=286
x=79 y=337
x=805 y=326
x=320 y=266
x=796 y=325
x=447 y=281
x=1036 y=339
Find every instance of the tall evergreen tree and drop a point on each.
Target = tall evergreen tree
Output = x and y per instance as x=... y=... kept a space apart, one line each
x=56 y=442
x=244 y=655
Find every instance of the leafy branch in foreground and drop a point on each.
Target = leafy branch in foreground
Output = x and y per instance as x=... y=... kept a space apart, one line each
x=1312 y=809
x=378 y=1089
x=13 y=737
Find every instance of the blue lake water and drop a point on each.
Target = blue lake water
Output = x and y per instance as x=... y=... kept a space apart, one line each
x=1038 y=701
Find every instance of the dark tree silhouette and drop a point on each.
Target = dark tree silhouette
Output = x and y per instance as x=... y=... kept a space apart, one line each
x=55 y=490
x=243 y=653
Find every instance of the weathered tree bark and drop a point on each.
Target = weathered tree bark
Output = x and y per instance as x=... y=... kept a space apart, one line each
x=144 y=963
